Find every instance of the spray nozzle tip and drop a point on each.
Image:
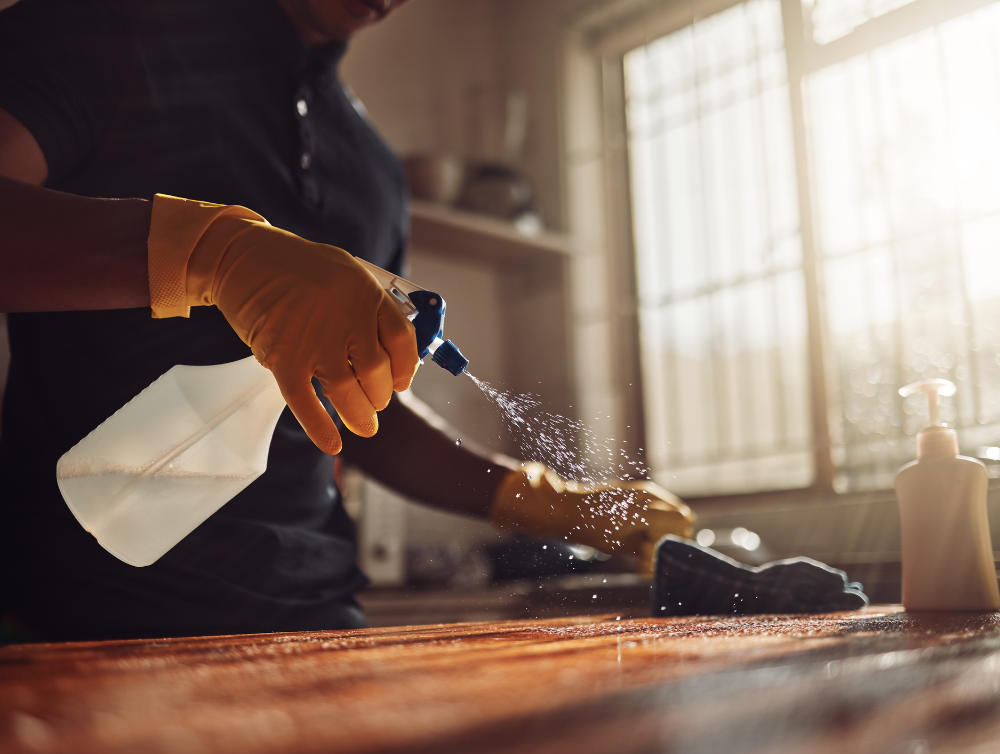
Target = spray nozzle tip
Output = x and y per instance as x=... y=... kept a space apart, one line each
x=448 y=356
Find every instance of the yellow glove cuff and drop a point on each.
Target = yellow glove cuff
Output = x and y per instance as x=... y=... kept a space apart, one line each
x=177 y=227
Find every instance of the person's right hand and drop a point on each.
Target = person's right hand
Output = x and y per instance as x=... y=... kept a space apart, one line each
x=305 y=309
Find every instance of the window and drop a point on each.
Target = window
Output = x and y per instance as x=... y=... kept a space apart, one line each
x=869 y=236
x=833 y=19
x=716 y=228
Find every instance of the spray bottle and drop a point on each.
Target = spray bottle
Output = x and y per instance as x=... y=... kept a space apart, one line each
x=187 y=444
x=947 y=553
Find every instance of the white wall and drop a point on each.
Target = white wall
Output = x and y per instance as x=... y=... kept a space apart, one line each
x=532 y=36
x=416 y=70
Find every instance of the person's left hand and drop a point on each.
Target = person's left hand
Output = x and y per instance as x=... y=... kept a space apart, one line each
x=622 y=516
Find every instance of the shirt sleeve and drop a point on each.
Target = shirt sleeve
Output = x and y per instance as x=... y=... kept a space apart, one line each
x=62 y=68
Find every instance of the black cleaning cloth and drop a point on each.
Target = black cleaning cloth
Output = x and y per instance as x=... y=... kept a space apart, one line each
x=694 y=580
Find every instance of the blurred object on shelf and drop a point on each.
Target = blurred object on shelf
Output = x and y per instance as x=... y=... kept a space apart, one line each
x=496 y=130
x=447 y=566
x=459 y=566
x=528 y=558
x=496 y=124
x=503 y=192
x=434 y=178
x=738 y=543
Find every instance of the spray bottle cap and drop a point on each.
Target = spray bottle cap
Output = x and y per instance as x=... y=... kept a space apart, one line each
x=936 y=439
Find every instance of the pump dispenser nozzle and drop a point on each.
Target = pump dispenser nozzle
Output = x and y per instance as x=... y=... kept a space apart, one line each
x=932 y=389
x=936 y=439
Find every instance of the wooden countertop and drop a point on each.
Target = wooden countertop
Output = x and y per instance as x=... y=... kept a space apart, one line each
x=878 y=680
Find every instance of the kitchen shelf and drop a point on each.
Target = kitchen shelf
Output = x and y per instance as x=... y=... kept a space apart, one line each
x=453 y=232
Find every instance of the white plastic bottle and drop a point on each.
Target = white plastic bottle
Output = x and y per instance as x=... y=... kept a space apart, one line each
x=171 y=457
x=187 y=444
x=947 y=553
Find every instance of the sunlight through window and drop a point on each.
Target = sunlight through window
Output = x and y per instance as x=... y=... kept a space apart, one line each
x=833 y=19
x=906 y=162
x=719 y=256
x=904 y=171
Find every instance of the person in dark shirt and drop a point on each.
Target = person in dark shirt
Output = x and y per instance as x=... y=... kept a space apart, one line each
x=235 y=102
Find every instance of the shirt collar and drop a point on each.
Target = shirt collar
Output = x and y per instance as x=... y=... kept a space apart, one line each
x=326 y=59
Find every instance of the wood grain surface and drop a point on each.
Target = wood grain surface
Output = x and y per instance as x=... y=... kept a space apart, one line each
x=876 y=681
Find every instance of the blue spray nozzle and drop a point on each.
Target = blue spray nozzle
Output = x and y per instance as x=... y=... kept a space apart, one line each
x=425 y=309
x=429 y=326
x=448 y=356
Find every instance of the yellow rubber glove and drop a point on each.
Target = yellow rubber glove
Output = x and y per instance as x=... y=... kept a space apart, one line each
x=627 y=516
x=305 y=309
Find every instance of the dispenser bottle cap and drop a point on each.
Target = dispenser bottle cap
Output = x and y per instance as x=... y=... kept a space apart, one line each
x=936 y=439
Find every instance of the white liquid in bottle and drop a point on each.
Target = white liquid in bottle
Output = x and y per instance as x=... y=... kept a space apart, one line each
x=171 y=457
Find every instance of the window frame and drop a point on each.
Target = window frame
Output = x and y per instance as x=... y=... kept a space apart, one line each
x=606 y=36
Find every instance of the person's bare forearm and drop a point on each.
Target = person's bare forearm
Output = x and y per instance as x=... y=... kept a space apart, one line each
x=61 y=252
x=421 y=461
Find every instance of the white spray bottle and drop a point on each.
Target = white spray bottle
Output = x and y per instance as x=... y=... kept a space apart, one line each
x=947 y=553
x=187 y=444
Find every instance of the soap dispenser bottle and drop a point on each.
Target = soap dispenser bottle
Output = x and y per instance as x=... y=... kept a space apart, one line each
x=947 y=553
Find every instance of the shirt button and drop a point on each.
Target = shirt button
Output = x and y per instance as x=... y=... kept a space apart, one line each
x=302 y=107
x=305 y=161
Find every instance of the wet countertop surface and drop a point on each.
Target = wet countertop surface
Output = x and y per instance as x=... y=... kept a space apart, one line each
x=872 y=681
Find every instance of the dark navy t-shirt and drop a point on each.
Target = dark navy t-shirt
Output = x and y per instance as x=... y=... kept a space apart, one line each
x=216 y=100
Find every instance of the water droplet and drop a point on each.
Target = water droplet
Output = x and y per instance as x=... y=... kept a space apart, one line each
x=567 y=446
x=458 y=442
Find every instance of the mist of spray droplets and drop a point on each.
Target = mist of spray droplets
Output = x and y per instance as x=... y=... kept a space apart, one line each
x=574 y=452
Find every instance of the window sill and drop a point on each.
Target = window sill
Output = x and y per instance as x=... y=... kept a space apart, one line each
x=779 y=500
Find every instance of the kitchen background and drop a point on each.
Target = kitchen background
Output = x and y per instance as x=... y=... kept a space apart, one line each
x=722 y=233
